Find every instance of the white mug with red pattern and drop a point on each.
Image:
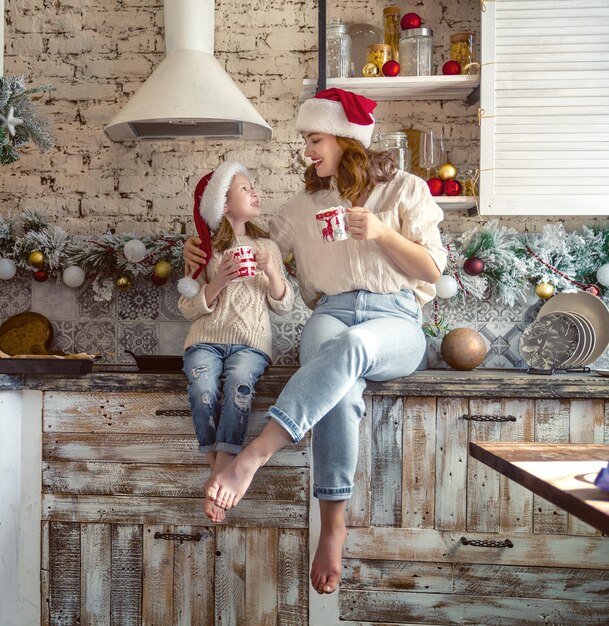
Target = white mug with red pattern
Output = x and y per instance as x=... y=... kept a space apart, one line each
x=247 y=261
x=332 y=224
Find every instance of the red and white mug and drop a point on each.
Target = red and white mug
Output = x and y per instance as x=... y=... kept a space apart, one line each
x=332 y=224
x=247 y=261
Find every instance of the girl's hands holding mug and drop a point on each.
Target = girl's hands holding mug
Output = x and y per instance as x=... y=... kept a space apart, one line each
x=264 y=262
x=365 y=225
x=228 y=269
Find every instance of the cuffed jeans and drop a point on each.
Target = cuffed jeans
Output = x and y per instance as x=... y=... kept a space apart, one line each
x=233 y=369
x=348 y=338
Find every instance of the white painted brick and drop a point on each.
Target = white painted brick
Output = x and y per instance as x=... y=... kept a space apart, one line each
x=117 y=68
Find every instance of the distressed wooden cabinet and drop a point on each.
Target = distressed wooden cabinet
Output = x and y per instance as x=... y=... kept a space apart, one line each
x=413 y=554
x=125 y=541
x=122 y=485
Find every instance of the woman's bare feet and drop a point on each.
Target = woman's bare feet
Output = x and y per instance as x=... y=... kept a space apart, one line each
x=229 y=485
x=327 y=566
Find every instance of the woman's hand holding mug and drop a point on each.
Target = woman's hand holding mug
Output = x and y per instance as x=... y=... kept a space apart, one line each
x=365 y=225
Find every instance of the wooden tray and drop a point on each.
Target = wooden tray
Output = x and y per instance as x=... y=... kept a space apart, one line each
x=74 y=367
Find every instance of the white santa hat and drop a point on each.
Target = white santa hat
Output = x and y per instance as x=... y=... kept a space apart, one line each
x=340 y=113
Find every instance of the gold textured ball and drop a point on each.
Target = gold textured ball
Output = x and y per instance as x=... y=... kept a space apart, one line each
x=463 y=349
x=447 y=171
x=370 y=69
x=36 y=259
x=123 y=283
x=544 y=290
x=162 y=269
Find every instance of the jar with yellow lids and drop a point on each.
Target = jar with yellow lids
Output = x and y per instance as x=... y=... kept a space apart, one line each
x=377 y=54
x=463 y=50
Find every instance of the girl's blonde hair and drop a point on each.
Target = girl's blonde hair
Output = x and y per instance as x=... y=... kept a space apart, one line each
x=359 y=170
x=224 y=237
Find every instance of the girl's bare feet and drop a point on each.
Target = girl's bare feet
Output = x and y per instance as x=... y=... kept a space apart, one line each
x=213 y=513
x=327 y=566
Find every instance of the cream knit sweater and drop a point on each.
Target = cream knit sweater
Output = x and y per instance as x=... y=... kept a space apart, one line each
x=240 y=313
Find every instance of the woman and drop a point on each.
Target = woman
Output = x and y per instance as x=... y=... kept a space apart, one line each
x=366 y=293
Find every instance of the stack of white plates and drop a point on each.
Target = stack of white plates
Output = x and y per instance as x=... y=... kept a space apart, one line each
x=571 y=331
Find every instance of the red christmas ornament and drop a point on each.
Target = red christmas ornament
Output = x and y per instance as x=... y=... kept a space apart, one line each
x=158 y=280
x=436 y=186
x=594 y=290
x=410 y=20
x=473 y=266
x=451 y=68
x=452 y=187
x=40 y=275
x=391 y=68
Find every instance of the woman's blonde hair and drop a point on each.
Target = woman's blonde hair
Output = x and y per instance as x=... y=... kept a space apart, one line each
x=224 y=237
x=359 y=170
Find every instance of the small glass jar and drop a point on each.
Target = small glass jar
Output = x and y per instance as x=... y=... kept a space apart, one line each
x=396 y=143
x=377 y=54
x=463 y=50
x=338 y=49
x=468 y=177
x=391 y=21
x=416 y=47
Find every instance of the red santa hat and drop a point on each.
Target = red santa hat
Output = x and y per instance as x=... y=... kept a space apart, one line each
x=340 y=113
x=210 y=201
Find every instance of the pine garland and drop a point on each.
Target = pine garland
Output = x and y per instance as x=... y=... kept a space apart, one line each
x=16 y=99
x=513 y=262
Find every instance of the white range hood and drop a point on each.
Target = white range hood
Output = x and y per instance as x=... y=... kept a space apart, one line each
x=189 y=95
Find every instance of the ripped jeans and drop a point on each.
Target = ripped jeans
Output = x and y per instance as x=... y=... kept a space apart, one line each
x=212 y=368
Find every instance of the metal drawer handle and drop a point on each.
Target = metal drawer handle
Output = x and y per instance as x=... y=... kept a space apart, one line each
x=482 y=543
x=178 y=537
x=172 y=412
x=490 y=418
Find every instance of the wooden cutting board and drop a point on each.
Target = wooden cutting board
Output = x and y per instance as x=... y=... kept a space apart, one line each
x=26 y=333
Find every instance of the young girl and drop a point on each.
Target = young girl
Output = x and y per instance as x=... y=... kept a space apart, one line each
x=228 y=345
x=366 y=292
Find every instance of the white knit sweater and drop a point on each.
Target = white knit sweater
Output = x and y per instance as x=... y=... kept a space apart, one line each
x=240 y=313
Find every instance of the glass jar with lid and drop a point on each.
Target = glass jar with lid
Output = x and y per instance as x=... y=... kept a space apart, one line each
x=338 y=49
x=377 y=54
x=416 y=47
x=396 y=143
x=391 y=22
x=463 y=50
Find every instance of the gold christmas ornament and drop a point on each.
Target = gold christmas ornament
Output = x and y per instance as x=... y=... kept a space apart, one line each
x=544 y=290
x=447 y=171
x=370 y=69
x=463 y=349
x=36 y=259
x=123 y=283
x=162 y=269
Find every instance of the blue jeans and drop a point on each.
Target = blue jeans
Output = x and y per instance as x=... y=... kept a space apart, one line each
x=348 y=338
x=233 y=369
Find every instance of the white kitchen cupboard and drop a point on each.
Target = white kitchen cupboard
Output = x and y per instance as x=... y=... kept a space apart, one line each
x=544 y=109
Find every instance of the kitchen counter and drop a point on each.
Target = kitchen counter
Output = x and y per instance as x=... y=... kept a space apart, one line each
x=485 y=383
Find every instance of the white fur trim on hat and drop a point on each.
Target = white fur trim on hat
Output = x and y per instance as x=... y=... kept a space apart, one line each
x=318 y=115
x=188 y=287
x=213 y=199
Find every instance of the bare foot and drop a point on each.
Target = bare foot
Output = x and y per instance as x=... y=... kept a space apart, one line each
x=228 y=486
x=327 y=565
x=213 y=512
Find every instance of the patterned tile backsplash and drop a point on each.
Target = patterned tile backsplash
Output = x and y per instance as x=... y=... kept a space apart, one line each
x=146 y=320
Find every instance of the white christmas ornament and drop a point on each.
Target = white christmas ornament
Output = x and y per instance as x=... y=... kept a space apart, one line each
x=10 y=121
x=73 y=276
x=7 y=269
x=602 y=275
x=446 y=287
x=134 y=250
x=188 y=287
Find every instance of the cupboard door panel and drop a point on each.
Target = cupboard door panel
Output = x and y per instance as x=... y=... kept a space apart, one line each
x=64 y=574
x=96 y=572
x=261 y=561
x=126 y=585
x=229 y=572
x=451 y=464
x=293 y=577
x=157 y=577
x=357 y=512
x=419 y=463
